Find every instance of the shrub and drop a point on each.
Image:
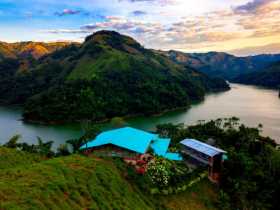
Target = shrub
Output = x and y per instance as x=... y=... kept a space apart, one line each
x=159 y=172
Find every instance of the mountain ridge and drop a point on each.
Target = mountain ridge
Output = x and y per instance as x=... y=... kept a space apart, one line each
x=221 y=64
x=29 y=48
x=268 y=77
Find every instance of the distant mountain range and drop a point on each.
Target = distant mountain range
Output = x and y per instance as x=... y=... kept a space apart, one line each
x=268 y=77
x=26 y=53
x=108 y=75
x=219 y=64
x=29 y=49
x=214 y=64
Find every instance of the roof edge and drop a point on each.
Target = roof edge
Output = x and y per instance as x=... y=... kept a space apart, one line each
x=204 y=144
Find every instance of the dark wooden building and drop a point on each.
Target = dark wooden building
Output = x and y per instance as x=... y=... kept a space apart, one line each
x=204 y=154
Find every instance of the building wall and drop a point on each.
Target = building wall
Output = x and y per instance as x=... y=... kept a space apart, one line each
x=195 y=154
x=110 y=151
x=214 y=163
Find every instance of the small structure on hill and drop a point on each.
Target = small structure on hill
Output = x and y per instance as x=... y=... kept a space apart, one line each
x=204 y=154
x=129 y=142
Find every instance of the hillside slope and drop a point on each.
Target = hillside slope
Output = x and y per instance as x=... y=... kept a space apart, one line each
x=269 y=77
x=108 y=75
x=73 y=182
x=218 y=64
x=36 y=50
x=78 y=182
x=10 y=158
x=24 y=55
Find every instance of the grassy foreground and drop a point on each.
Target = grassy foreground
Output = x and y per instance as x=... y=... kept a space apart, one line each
x=201 y=196
x=76 y=182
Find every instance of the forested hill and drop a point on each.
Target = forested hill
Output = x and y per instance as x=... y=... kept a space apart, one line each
x=269 y=77
x=108 y=75
x=223 y=65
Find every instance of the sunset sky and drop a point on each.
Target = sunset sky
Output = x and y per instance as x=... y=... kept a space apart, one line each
x=241 y=27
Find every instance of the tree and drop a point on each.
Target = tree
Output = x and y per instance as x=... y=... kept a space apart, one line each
x=44 y=148
x=118 y=122
x=28 y=148
x=169 y=129
x=90 y=131
x=13 y=142
x=75 y=144
x=63 y=150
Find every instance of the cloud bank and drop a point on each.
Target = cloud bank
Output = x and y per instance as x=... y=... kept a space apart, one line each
x=193 y=25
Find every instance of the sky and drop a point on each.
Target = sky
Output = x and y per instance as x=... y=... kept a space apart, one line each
x=240 y=27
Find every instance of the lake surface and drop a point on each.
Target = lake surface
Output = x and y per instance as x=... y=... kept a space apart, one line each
x=251 y=104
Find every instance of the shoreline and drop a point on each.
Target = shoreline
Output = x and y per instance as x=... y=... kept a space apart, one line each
x=107 y=120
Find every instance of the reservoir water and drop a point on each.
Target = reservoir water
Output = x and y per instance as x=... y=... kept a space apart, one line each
x=251 y=104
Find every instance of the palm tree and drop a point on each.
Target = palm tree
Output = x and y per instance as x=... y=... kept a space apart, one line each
x=44 y=148
x=75 y=143
x=90 y=132
x=63 y=150
x=13 y=142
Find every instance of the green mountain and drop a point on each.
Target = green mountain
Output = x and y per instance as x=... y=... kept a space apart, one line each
x=269 y=77
x=30 y=182
x=108 y=75
x=219 y=64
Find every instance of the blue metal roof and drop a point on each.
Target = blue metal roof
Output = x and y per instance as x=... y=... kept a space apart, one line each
x=160 y=146
x=128 y=138
x=202 y=147
x=173 y=156
x=135 y=140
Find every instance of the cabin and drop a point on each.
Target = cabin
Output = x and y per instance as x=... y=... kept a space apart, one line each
x=128 y=143
x=203 y=154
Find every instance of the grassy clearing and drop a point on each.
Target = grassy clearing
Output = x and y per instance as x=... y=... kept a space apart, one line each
x=89 y=68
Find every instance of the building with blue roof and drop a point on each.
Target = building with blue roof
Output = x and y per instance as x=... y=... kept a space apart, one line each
x=204 y=154
x=130 y=141
x=202 y=147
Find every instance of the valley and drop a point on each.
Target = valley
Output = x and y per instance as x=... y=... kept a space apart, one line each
x=139 y=105
x=51 y=101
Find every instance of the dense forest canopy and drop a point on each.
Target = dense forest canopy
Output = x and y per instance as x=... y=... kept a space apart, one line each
x=108 y=75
